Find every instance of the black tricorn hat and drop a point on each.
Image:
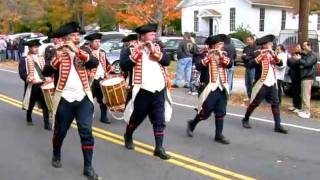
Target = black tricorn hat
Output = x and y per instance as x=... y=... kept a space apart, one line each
x=69 y=28
x=93 y=36
x=33 y=42
x=265 y=39
x=146 y=28
x=212 y=40
x=55 y=34
x=130 y=37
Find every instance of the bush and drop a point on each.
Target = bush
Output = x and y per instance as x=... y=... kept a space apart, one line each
x=241 y=33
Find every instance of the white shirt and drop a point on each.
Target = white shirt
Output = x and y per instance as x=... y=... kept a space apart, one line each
x=36 y=61
x=281 y=70
x=73 y=91
x=152 y=75
x=270 y=79
x=100 y=72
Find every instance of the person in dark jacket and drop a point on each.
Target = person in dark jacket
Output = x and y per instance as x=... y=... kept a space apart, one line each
x=185 y=52
x=294 y=73
x=307 y=73
x=249 y=53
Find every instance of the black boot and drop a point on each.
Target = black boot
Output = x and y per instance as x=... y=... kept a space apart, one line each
x=103 y=115
x=29 y=118
x=221 y=139
x=47 y=124
x=90 y=173
x=128 y=142
x=191 y=125
x=159 y=150
x=56 y=158
x=219 y=128
x=245 y=123
x=280 y=129
x=56 y=162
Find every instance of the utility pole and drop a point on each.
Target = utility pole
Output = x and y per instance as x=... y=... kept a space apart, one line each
x=304 y=11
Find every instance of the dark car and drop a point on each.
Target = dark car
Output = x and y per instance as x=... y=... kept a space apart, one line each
x=171 y=47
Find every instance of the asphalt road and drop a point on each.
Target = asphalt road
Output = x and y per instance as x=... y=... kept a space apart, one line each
x=258 y=153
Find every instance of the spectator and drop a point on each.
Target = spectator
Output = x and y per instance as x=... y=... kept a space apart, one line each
x=249 y=53
x=185 y=52
x=281 y=70
x=3 y=47
x=308 y=74
x=232 y=55
x=14 y=51
x=20 y=47
x=294 y=73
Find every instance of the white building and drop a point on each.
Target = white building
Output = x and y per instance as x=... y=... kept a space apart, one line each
x=261 y=17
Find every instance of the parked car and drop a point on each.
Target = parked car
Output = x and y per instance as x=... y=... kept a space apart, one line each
x=113 y=47
x=171 y=47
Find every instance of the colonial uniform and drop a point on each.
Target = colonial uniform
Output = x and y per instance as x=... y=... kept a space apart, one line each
x=214 y=88
x=98 y=74
x=30 y=70
x=265 y=86
x=148 y=94
x=73 y=99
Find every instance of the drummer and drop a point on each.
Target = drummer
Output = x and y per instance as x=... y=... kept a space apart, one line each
x=99 y=73
x=30 y=70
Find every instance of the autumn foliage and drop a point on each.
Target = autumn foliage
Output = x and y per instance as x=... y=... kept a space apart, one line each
x=133 y=13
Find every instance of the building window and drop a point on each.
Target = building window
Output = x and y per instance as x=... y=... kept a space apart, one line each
x=196 y=21
x=232 y=19
x=283 y=19
x=262 y=17
x=318 y=22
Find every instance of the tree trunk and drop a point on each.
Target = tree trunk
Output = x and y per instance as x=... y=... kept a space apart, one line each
x=159 y=16
x=304 y=10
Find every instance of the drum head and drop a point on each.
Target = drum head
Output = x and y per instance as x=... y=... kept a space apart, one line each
x=112 y=81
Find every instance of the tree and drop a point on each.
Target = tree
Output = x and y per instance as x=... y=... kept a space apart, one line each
x=133 y=13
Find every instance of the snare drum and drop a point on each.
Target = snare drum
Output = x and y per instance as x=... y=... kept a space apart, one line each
x=114 y=93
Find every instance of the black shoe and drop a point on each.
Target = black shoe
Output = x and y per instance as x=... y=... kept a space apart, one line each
x=128 y=142
x=246 y=124
x=48 y=126
x=280 y=130
x=30 y=123
x=91 y=174
x=56 y=162
x=106 y=121
x=189 y=129
x=161 y=153
x=221 y=139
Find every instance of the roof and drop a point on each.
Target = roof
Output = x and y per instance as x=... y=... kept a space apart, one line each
x=209 y=13
x=274 y=3
x=270 y=3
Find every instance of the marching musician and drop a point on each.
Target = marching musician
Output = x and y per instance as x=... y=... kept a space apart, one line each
x=99 y=73
x=30 y=70
x=214 y=87
x=148 y=95
x=265 y=85
x=72 y=98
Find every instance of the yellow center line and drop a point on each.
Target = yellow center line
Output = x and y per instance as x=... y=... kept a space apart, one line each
x=179 y=160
